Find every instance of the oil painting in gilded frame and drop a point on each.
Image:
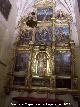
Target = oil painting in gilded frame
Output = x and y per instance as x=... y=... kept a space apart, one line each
x=41 y=82
x=25 y=37
x=44 y=35
x=45 y=13
x=22 y=61
x=63 y=83
x=19 y=81
x=62 y=34
x=63 y=62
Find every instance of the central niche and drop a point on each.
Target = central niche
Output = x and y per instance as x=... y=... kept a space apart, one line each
x=41 y=64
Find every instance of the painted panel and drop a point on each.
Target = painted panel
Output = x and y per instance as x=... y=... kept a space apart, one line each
x=22 y=61
x=25 y=37
x=63 y=83
x=44 y=13
x=62 y=35
x=44 y=35
x=63 y=63
x=19 y=81
x=41 y=82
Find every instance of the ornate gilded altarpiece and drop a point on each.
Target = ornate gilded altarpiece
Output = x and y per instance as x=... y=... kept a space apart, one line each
x=44 y=58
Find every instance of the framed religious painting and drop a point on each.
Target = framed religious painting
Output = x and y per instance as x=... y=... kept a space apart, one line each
x=41 y=82
x=44 y=35
x=19 y=81
x=25 y=37
x=63 y=83
x=22 y=61
x=63 y=62
x=62 y=35
x=63 y=16
x=44 y=13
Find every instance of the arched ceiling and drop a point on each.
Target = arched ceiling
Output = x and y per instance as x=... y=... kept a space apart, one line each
x=24 y=6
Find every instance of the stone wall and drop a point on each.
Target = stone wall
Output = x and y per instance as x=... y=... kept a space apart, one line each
x=7 y=29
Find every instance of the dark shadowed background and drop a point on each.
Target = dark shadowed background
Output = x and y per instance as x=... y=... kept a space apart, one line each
x=79 y=4
x=5 y=7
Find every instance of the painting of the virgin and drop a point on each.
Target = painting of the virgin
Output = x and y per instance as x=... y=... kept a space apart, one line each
x=63 y=63
x=62 y=35
x=44 y=35
x=41 y=64
x=21 y=63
